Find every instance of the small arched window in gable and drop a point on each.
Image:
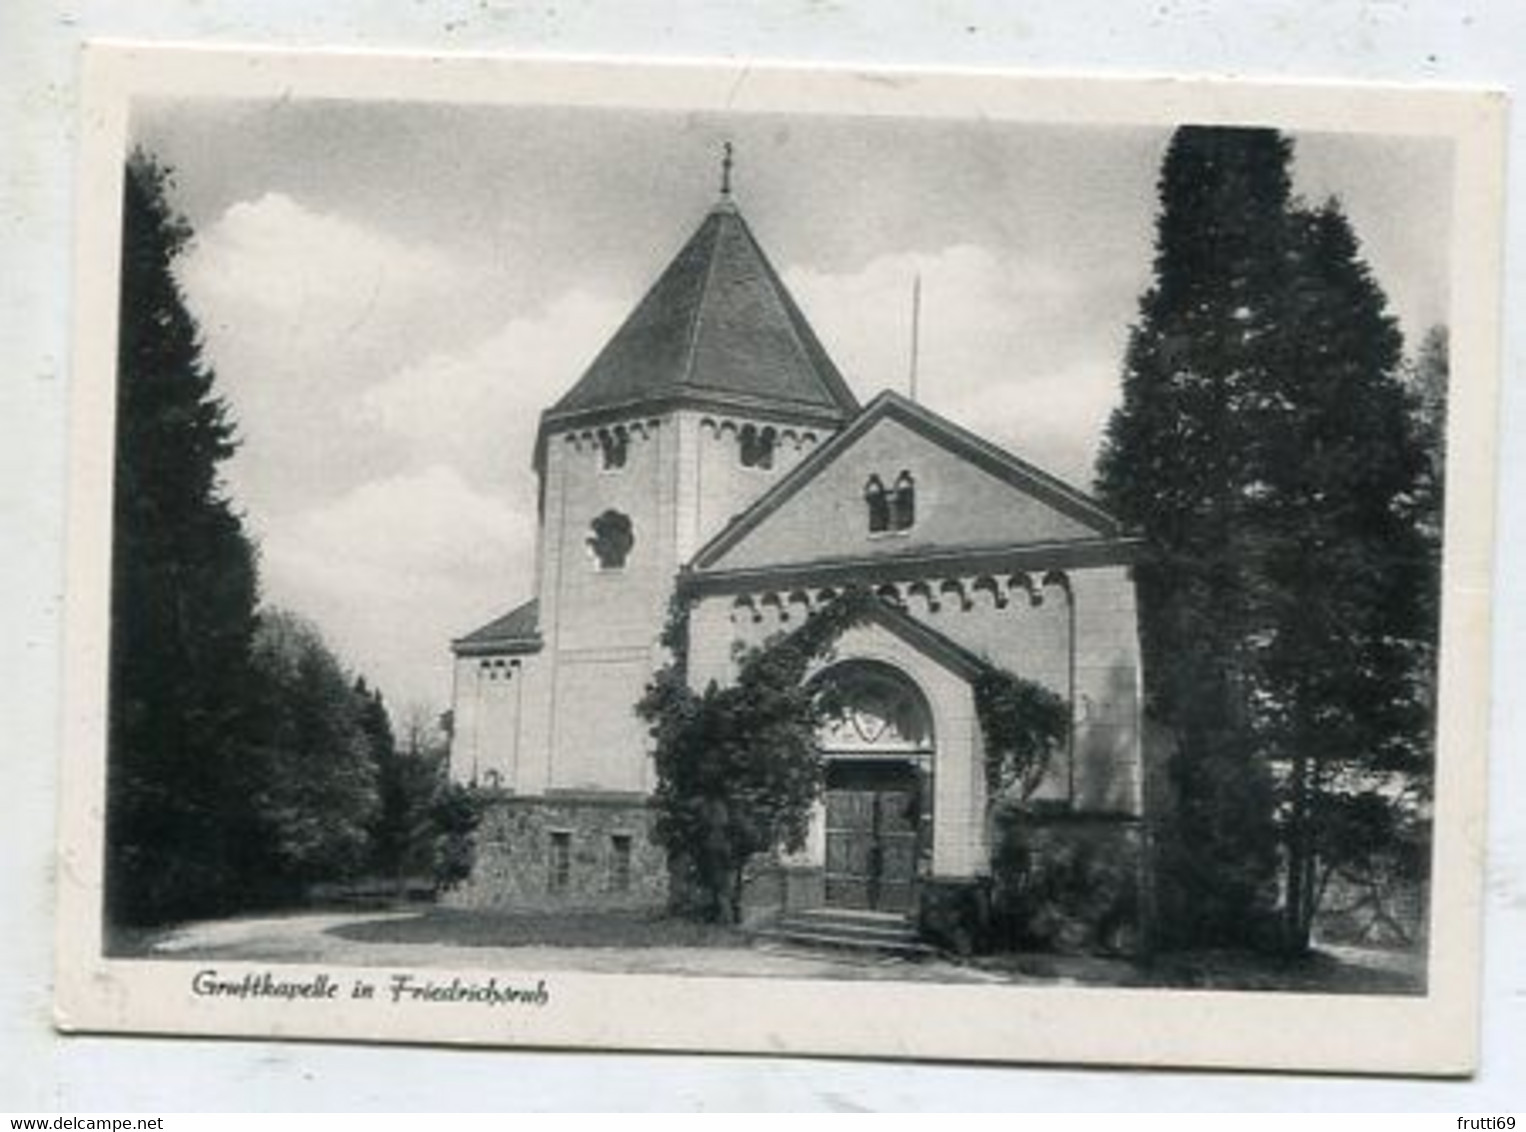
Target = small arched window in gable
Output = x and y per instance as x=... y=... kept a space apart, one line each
x=756 y=446
x=878 y=503
x=903 y=503
x=611 y=540
x=614 y=446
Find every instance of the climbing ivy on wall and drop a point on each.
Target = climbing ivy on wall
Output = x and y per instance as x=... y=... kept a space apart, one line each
x=738 y=769
x=1023 y=724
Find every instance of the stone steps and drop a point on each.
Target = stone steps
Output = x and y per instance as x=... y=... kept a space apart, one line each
x=840 y=930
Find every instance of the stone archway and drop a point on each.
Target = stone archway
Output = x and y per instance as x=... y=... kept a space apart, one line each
x=879 y=750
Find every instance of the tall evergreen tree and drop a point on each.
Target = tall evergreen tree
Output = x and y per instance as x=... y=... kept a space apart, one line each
x=1172 y=466
x=1339 y=561
x=1428 y=377
x=183 y=590
x=386 y=828
x=1265 y=449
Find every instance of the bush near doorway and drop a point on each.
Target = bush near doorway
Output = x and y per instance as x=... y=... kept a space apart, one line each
x=1066 y=883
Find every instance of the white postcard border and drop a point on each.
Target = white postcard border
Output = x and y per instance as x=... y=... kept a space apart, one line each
x=1432 y=1034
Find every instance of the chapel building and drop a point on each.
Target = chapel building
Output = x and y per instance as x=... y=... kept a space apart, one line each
x=713 y=444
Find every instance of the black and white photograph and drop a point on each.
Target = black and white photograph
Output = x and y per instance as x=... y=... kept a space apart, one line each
x=818 y=550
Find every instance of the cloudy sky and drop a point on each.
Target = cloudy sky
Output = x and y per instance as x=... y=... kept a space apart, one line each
x=391 y=293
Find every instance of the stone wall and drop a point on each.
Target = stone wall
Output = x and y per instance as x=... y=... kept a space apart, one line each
x=566 y=853
x=771 y=887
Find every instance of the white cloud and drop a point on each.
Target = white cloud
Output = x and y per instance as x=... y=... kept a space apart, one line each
x=300 y=310
x=479 y=408
x=313 y=273
x=1012 y=350
x=385 y=465
x=397 y=567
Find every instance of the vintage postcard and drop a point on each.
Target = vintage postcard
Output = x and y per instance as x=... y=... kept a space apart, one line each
x=752 y=558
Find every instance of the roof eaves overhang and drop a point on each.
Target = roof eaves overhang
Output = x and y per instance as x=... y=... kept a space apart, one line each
x=770 y=408
x=503 y=646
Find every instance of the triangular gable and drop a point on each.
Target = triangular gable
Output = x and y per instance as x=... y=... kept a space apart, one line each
x=969 y=494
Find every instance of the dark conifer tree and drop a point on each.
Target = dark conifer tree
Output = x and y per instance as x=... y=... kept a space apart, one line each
x=409 y=826
x=1340 y=564
x=1266 y=449
x=1173 y=467
x=391 y=827
x=1428 y=377
x=183 y=592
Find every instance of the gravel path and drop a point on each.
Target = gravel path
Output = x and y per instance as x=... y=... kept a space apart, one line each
x=310 y=938
x=423 y=939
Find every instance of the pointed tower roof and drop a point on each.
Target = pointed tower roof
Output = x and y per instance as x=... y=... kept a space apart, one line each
x=717 y=329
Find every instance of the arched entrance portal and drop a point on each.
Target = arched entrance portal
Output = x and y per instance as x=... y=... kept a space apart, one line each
x=878 y=747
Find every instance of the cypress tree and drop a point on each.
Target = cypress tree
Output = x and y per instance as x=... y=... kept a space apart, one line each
x=1341 y=562
x=1266 y=448
x=1173 y=467
x=183 y=592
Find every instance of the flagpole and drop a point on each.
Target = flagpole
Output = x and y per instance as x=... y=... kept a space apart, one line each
x=916 y=319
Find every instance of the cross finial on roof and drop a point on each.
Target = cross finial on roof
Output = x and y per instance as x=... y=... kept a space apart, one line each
x=726 y=170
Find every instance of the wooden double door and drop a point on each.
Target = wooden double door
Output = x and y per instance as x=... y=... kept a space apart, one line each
x=873 y=834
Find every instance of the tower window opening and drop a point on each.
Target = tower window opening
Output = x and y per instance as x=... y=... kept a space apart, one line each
x=611 y=540
x=891 y=509
x=756 y=446
x=879 y=506
x=903 y=503
x=614 y=446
